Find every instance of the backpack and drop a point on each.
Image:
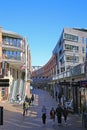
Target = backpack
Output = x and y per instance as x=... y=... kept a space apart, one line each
x=52 y=113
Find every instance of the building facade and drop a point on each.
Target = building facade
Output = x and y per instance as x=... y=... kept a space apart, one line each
x=71 y=48
x=69 y=78
x=15 y=62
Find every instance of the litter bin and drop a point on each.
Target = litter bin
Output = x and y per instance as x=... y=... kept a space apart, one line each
x=1 y=115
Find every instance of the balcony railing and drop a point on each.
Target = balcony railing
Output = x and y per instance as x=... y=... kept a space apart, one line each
x=4 y=56
x=75 y=71
x=12 y=44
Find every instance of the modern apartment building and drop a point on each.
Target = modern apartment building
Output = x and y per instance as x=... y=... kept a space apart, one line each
x=68 y=69
x=71 y=48
x=15 y=64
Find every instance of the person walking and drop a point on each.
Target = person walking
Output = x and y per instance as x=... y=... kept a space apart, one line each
x=65 y=114
x=59 y=114
x=56 y=95
x=44 y=114
x=25 y=108
x=32 y=99
x=52 y=114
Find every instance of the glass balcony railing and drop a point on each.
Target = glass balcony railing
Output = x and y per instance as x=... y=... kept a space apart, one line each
x=4 y=56
x=12 y=45
x=75 y=71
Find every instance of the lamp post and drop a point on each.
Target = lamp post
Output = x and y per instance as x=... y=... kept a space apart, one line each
x=72 y=80
x=25 y=86
x=27 y=81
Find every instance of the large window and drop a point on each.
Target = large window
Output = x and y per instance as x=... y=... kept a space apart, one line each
x=11 y=41
x=12 y=54
x=70 y=37
x=62 y=60
x=15 y=42
x=71 y=47
x=18 y=42
x=7 y=41
x=70 y=58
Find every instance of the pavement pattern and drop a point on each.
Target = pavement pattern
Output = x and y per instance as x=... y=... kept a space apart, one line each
x=13 y=115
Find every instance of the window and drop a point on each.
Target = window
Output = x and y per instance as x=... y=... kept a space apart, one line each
x=70 y=58
x=70 y=47
x=83 y=59
x=7 y=41
x=82 y=39
x=11 y=41
x=62 y=60
x=83 y=49
x=70 y=37
x=86 y=41
x=18 y=42
x=15 y=42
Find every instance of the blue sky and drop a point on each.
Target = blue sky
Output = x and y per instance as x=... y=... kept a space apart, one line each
x=42 y=21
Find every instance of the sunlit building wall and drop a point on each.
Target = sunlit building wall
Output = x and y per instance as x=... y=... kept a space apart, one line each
x=12 y=63
x=71 y=48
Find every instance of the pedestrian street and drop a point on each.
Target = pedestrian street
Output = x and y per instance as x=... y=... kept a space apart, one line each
x=14 y=120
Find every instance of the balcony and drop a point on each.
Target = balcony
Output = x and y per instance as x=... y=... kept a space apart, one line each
x=75 y=71
x=13 y=60
x=11 y=47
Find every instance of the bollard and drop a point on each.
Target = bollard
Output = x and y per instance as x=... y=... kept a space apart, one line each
x=1 y=115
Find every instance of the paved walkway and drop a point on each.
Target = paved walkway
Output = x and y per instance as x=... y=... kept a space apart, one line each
x=14 y=120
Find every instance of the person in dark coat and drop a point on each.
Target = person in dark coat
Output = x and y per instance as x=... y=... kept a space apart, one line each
x=56 y=95
x=65 y=114
x=32 y=99
x=59 y=114
x=44 y=114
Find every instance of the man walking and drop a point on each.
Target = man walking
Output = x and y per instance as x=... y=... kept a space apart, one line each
x=59 y=114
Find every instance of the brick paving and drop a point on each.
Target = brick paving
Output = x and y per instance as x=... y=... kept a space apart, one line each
x=14 y=120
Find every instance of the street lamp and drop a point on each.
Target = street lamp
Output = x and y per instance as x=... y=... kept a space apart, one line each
x=27 y=82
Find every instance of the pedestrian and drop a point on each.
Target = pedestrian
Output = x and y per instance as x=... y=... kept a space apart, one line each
x=59 y=114
x=29 y=101
x=25 y=108
x=26 y=98
x=32 y=99
x=44 y=114
x=52 y=114
x=17 y=97
x=56 y=95
x=65 y=114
